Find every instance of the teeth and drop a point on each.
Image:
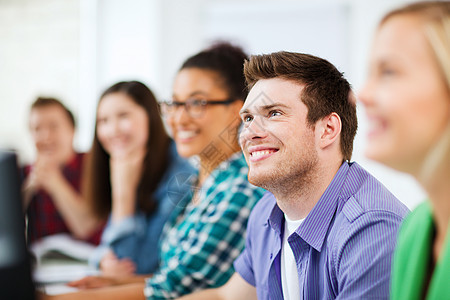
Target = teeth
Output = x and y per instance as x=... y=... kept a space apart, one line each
x=261 y=153
x=186 y=134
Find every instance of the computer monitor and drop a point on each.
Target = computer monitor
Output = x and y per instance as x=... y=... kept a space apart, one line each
x=15 y=273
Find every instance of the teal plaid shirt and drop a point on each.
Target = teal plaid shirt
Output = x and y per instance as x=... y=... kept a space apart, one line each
x=200 y=243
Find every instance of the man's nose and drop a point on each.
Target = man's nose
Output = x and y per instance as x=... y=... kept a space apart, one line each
x=44 y=134
x=256 y=129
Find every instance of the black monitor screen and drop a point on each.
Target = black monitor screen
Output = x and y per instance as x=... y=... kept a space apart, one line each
x=15 y=275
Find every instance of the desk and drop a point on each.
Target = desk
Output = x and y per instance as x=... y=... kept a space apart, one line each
x=51 y=275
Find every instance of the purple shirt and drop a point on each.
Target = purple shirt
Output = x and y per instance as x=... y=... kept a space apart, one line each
x=343 y=248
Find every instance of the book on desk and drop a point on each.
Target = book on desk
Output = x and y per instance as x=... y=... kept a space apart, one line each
x=60 y=259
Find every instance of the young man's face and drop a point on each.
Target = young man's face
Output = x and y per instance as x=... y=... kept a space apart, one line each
x=276 y=140
x=52 y=132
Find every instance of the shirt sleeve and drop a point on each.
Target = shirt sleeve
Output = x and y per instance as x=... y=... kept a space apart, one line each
x=137 y=237
x=120 y=236
x=204 y=259
x=362 y=261
x=244 y=263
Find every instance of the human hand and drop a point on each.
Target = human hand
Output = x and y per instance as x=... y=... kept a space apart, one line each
x=112 y=266
x=46 y=173
x=126 y=171
x=93 y=282
x=29 y=188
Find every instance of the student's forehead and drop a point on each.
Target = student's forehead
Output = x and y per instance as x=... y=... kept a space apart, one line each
x=274 y=88
x=270 y=98
x=260 y=101
x=47 y=111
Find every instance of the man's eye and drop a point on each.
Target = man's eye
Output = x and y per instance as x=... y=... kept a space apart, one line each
x=274 y=113
x=247 y=119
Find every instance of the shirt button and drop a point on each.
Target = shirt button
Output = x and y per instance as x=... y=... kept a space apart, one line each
x=271 y=255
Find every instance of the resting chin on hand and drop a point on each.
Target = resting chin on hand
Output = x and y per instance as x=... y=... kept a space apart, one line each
x=126 y=171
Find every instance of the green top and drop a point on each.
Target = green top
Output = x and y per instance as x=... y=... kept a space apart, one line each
x=413 y=256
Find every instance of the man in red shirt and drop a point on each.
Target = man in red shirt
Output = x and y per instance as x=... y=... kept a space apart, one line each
x=51 y=189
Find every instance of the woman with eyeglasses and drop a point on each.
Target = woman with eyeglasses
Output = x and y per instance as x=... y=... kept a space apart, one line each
x=203 y=115
x=202 y=242
x=202 y=238
x=407 y=100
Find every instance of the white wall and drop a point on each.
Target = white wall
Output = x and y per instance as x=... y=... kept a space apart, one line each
x=119 y=41
x=39 y=55
x=74 y=49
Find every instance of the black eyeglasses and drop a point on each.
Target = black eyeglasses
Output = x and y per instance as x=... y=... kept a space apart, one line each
x=194 y=107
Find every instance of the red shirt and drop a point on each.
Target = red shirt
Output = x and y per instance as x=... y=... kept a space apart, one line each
x=43 y=217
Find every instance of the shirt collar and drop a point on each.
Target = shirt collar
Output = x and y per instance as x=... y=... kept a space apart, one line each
x=276 y=218
x=315 y=227
x=74 y=162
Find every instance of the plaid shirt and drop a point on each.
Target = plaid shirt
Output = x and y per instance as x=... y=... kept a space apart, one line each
x=43 y=217
x=200 y=243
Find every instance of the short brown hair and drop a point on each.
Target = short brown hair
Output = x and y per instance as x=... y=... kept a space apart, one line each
x=48 y=101
x=326 y=90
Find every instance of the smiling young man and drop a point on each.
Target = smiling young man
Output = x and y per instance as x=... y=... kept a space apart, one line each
x=327 y=228
x=52 y=184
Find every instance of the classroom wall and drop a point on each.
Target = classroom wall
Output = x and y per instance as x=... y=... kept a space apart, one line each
x=74 y=49
x=39 y=55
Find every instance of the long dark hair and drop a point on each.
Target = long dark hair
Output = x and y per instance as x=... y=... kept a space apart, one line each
x=97 y=187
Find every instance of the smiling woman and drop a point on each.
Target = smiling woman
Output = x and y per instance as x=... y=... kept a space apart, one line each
x=407 y=99
x=202 y=241
x=199 y=122
x=131 y=169
x=122 y=125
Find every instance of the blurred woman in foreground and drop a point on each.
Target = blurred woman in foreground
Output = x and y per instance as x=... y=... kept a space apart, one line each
x=407 y=99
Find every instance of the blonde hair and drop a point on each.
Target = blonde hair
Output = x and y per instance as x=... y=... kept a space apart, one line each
x=435 y=18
